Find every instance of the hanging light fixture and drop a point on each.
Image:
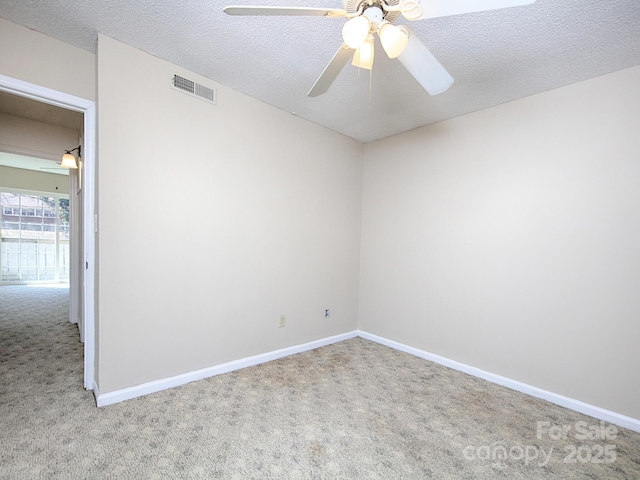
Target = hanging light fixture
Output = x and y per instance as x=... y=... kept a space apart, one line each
x=363 y=58
x=394 y=39
x=69 y=160
x=355 y=31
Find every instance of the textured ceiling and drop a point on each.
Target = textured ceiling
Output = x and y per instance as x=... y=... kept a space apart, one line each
x=494 y=56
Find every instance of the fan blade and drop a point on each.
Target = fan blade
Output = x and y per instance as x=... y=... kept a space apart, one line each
x=288 y=11
x=445 y=8
x=424 y=67
x=331 y=71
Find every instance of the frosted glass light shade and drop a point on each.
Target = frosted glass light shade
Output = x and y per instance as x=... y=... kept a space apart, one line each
x=363 y=58
x=68 y=161
x=355 y=31
x=394 y=40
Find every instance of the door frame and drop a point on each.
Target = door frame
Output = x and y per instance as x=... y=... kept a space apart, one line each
x=89 y=216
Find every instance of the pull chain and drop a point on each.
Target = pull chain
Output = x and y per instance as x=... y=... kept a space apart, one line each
x=370 y=83
x=370 y=86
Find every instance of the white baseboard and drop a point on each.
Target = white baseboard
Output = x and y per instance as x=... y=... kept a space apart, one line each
x=163 y=384
x=577 y=405
x=158 y=385
x=96 y=392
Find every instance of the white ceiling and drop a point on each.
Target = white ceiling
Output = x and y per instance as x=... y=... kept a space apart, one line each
x=494 y=56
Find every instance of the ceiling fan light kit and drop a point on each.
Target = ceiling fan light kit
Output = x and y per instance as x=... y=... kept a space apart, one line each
x=393 y=39
x=366 y=17
x=363 y=56
x=355 y=31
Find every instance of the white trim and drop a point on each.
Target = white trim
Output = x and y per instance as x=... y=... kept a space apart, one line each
x=96 y=392
x=89 y=245
x=88 y=108
x=75 y=272
x=163 y=384
x=577 y=405
x=158 y=385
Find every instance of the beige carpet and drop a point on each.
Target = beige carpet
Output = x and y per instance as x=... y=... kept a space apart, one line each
x=354 y=410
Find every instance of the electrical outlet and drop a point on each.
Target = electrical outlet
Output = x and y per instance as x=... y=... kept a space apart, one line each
x=283 y=321
x=327 y=313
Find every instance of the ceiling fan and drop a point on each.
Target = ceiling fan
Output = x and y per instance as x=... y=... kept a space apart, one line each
x=366 y=17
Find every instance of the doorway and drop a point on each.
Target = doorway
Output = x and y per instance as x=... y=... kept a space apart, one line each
x=86 y=278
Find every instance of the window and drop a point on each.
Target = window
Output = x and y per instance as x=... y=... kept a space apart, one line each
x=10 y=211
x=34 y=238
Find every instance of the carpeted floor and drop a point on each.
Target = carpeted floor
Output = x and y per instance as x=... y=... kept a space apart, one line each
x=354 y=410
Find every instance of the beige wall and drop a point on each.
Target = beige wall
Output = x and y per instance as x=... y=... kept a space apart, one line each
x=36 y=58
x=214 y=220
x=32 y=180
x=508 y=240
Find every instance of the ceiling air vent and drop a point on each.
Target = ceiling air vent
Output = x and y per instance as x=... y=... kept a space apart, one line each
x=189 y=86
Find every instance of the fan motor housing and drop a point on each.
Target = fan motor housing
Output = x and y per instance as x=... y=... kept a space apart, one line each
x=352 y=6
